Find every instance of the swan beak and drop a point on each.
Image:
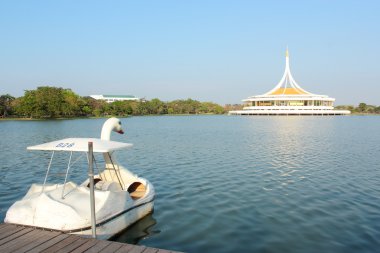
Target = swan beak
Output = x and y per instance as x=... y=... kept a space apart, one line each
x=120 y=131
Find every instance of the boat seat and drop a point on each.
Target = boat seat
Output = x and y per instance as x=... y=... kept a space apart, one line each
x=108 y=186
x=137 y=190
x=137 y=194
x=87 y=182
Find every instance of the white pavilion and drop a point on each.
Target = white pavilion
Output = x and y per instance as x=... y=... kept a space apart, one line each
x=114 y=98
x=288 y=98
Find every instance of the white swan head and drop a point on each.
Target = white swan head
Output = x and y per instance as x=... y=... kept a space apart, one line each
x=111 y=124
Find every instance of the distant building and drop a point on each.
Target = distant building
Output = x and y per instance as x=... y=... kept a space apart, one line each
x=288 y=98
x=113 y=98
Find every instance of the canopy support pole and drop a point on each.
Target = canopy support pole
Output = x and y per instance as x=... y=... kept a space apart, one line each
x=67 y=173
x=119 y=178
x=47 y=172
x=92 y=193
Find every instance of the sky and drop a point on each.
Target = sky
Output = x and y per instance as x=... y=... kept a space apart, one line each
x=208 y=50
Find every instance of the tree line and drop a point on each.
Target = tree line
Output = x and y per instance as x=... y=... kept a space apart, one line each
x=55 y=102
x=362 y=108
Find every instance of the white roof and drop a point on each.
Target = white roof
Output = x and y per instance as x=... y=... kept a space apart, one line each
x=81 y=145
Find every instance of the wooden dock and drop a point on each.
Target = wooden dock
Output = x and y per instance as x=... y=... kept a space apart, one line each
x=15 y=238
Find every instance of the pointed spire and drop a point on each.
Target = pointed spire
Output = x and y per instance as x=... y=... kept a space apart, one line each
x=287 y=85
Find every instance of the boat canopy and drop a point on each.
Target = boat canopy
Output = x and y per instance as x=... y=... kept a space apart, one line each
x=81 y=145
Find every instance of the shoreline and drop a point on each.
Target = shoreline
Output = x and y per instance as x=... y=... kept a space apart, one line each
x=149 y=115
x=104 y=117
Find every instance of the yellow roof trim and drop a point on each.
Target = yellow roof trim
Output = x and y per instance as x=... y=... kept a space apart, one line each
x=287 y=91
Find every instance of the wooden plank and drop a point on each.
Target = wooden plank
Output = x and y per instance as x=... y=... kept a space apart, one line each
x=166 y=251
x=90 y=243
x=114 y=246
x=73 y=245
x=125 y=248
x=61 y=244
x=4 y=226
x=49 y=243
x=19 y=239
x=150 y=250
x=9 y=231
x=98 y=246
x=13 y=237
x=48 y=235
x=25 y=242
x=137 y=249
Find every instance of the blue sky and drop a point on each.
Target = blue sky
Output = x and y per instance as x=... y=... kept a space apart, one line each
x=209 y=50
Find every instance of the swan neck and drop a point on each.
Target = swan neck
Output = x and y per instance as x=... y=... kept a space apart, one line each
x=106 y=132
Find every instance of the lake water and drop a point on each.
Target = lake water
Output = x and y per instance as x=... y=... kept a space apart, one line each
x=230 y=183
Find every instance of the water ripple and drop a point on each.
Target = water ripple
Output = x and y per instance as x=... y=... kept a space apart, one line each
x=233 y=184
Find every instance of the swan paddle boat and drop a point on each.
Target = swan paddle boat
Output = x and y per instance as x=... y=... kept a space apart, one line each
x=121 y=198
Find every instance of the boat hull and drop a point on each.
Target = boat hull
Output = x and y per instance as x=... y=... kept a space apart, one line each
x=105 y=230
x=115 y=210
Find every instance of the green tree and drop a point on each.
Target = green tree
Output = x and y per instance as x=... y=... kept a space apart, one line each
x=362 y=107
x=143 y=108
x=209 y=107
x=49 y=102
x=71 y=104
x=53 y=102
x=5 y=105
x=27 y=105
x=158 y=107
x=97 y=107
